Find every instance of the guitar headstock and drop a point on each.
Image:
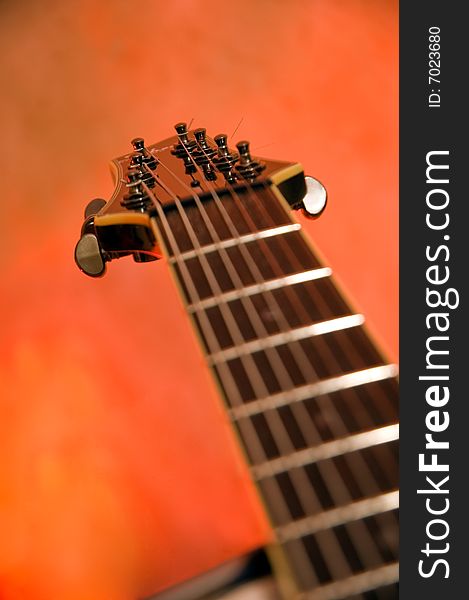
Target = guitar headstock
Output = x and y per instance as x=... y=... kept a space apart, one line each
x=189 y=165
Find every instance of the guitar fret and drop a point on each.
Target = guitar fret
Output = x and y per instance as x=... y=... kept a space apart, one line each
x=334 y=482
x=355 y=584
x=263 y=307
x=230 y=242
x=270 y=284
x=291 y=335
x=327 y=450
x=319 y=388
x=361 y=509
x=309 y=360
x=349 y=411
x=305 y=387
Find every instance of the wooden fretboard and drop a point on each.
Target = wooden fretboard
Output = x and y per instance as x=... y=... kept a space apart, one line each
x=313 y=401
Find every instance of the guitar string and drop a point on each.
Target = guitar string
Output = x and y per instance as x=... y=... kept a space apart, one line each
x=235 y=233
x=388 y=520
x=363 y=467
x=233 y=327
x=288 y=290
x=260 y=449
x=236 y=128
x=209 y=334
x=315 y=294
x=215 y=240
x=205 y=324
x=207 y=331
x=336 y=418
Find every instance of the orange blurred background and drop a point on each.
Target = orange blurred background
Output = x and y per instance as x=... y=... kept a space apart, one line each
x=118 y=473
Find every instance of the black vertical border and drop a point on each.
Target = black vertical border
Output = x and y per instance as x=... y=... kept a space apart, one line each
x=423 y=129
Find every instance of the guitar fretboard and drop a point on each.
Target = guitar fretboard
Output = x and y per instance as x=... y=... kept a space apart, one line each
x=312 y=399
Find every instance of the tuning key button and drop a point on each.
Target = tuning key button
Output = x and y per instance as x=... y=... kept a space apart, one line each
x=93 y=207
x=315 y=199
x=88 y=256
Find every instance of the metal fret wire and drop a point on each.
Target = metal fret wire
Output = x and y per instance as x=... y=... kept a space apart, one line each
x=317 y=295
x=288 y=290
x=206 y=326
x=215 y=238
x=299 y=477
x=259 y=450
x=194 y=294
x=360 y=466
x=363 y=468
x=296 y=409
x=356 y=584
x=245 y=238
x=207 y=329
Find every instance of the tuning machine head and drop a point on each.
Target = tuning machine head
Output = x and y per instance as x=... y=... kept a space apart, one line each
x=315 y=199
x=139 y=147
x=88 y=254
x=247 y=167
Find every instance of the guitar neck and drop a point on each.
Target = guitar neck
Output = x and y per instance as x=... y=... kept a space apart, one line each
x=312 y=400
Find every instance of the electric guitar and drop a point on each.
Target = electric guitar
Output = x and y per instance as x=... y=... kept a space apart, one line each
x=313 y=402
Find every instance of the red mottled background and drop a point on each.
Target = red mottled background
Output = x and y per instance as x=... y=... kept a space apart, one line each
x=118 y=473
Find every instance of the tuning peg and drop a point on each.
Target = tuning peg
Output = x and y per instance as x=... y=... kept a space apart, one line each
x=181 y=130
x=184 y=148
x=221 y=141
x=206 y=151
x=225 y=159
x=184 y=142
x=137 y=163
x=247 y=167
x=139 y=146
x=203 y=155
x=136 y=197
x=315 y=200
